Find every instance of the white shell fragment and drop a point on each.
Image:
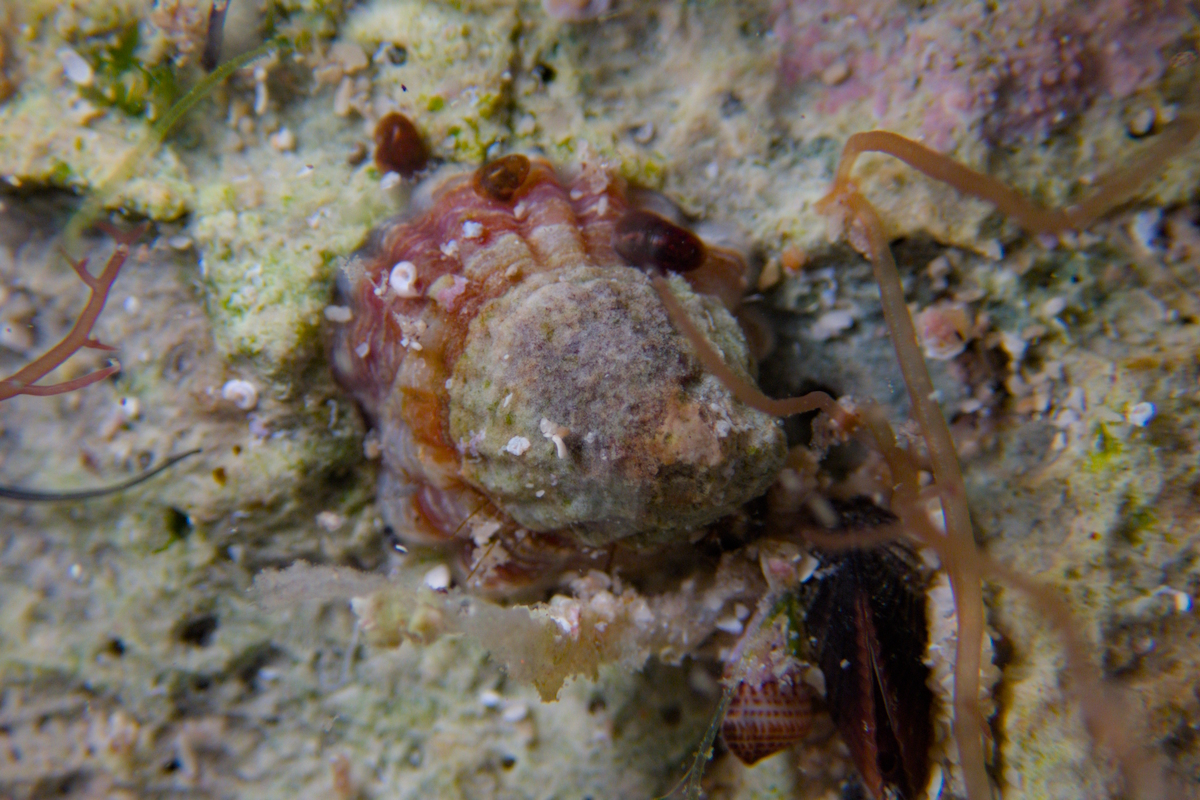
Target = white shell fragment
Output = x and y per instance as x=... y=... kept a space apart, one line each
x=554 y=432
x=130 y=408
x=438 y=578
x=517 y=445
x=515 y=712
x=1141 y=414
x=75 y=67
x=283 y=140
x=340 y=314
x=242 y=394
x=403 y=279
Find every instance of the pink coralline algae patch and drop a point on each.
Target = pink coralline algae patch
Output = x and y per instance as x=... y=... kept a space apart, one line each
x=534 y=405
x=1015 y=72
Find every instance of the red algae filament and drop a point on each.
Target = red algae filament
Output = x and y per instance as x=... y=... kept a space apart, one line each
x=645 y=239
x=399 y=146
x=500 y=179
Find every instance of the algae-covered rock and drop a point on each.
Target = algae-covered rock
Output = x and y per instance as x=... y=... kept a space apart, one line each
x=133 y=662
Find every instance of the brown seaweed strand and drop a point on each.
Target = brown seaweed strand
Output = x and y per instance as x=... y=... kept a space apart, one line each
x=79 y=337
x=958 y=545
x=740 y=388
x=1106 y=193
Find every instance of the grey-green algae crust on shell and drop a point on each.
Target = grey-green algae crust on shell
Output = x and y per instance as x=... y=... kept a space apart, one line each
x=113 y=669
x=659 y=447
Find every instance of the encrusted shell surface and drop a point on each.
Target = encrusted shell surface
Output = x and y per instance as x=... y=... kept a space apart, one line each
x=524 y=379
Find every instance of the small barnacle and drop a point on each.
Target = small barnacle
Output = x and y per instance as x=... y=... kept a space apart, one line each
x=501 y=178
x=399 y=146
x=647 y=240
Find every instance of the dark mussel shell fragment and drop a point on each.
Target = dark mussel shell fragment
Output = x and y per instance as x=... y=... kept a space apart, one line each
x=501 y=178
x=399 y=146
x=649 y=241
x=869 y=634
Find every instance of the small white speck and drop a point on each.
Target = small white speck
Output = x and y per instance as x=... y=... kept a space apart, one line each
x=515 y=713
x=844 y=664
x=1182 y=600
x=438 y=578
x=260 y=91
x=131 y=305
x=449 y=249
x=75 y=67
x=372 y=447
x=330 y=521
x=363 y=350
x=241 y=393
x=1141 y=414
x=180 y=242
x=808 y=565
x=472 y=230
x=830 y=324
x=1053 y=307
x=517 y=445
x=283 y=140
x=723 y=428
x=131 y=407
x=555 y=433
x=519 y=210
x=507 y=400
x=449 y=383
x=991 y=249
x=602 y=205
x=340 y=314
x=576 y=195
x=305 y=171
x=403 y=279
x=729 y=625
x=712 y=171
x=76 y=571
x=540 y=493
x=490 y=698
x=390 y=180
x=1145 y=228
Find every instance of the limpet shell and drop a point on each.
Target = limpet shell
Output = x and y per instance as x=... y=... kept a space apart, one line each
x=526 y=382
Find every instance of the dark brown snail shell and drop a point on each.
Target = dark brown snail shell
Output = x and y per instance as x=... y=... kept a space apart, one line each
x=764 y=719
